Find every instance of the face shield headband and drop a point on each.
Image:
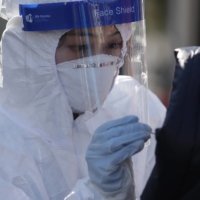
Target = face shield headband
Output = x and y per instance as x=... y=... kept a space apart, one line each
x=80 y=14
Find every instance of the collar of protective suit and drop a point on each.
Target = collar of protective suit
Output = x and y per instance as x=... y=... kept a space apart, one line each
x=32 y=97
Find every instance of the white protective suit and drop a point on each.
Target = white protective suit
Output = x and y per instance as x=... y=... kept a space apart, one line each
x=42 y=149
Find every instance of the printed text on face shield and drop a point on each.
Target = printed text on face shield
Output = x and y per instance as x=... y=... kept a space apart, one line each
x=118 y=10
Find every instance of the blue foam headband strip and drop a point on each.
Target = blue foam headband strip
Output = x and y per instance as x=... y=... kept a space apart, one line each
x=80 y=14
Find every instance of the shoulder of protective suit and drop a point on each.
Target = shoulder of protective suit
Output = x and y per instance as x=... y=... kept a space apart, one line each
x=157 y=110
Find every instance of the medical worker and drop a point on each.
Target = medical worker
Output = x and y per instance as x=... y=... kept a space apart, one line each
x=71 y=127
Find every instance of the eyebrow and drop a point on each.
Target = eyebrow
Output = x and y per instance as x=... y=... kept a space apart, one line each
x=115 y=33
x=81 y=33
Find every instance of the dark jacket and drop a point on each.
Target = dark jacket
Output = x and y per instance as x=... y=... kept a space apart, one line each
x=176 y=175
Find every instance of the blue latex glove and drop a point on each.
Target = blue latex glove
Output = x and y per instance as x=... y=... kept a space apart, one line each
x=108 y=156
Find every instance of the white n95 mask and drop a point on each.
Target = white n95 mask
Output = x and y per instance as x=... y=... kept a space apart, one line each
x=88 y=81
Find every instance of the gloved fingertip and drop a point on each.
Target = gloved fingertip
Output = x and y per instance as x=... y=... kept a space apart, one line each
x=117 y=122
x=131 y=118
x=147 y=127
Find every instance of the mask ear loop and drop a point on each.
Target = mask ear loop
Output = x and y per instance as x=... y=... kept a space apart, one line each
x=127 y=68
x=129 y=52
x=119 y=62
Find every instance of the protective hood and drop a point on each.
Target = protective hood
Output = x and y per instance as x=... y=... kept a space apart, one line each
x=10 y=8
x=30 y=80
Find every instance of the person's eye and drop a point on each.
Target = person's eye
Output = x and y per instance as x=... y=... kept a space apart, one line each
x=115 y=45
x=80 y=47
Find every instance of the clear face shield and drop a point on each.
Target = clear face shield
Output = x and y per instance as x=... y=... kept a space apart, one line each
x=104 y=44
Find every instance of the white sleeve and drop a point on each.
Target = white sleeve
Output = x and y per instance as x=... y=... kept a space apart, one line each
x=25 y=177
x=19 y=178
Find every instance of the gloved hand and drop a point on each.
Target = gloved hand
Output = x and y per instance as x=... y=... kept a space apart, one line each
x=108 y=156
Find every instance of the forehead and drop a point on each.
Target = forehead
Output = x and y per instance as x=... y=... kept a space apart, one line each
x=94 y=31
